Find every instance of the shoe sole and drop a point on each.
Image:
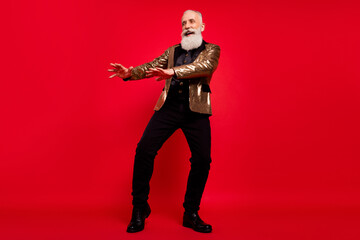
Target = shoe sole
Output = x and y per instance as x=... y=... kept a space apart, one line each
x=188 y=225
x=130 y=231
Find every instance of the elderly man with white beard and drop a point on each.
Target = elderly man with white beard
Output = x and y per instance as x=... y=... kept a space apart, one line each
x=184 y=103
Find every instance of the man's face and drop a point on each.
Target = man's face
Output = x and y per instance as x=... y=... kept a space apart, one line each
x=190 y=21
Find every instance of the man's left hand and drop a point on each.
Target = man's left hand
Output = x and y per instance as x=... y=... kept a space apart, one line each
x=160 y=73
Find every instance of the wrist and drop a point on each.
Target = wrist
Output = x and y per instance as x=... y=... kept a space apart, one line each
x=128 y=75
x=171 y=72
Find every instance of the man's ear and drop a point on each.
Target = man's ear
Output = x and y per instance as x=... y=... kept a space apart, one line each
x=202 y=26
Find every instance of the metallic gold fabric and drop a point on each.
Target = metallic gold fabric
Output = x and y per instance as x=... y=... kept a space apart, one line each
x=161 y=62
x=199 y=73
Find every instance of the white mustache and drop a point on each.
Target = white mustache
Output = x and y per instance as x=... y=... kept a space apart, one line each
x=187 y=30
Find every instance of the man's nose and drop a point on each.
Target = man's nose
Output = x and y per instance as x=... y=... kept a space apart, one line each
x=187 y=25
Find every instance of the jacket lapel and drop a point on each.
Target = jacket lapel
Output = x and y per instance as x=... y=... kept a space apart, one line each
x=177 y=53
x=198 y=50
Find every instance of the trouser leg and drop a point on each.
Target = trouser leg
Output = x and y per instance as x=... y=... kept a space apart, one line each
x=198 y=136
x=158 y=130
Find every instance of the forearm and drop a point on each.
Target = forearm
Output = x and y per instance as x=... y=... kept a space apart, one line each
x=203 y=68
x=139 y=72
x=194 y=70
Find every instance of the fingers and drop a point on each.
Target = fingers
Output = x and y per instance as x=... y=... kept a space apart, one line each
x=157 y=69
x=119 y=69
x=121 y=66
x=149 y=74
x=118 y=66
x=114 y=75
x=160 y=69
x=161 y=78
x=114 y=65
x=153 y=71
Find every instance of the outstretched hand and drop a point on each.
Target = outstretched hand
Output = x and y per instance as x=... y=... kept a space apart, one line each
x=120 y=71
x=160 y=73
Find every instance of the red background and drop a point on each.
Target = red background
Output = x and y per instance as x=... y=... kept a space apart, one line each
x=285 y=129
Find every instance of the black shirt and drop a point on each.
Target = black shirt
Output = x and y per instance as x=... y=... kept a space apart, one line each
x=179 y=88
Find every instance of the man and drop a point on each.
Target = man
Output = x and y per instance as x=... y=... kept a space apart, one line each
x=184 y=103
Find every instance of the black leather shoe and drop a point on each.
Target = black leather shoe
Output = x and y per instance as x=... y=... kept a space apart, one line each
x=137 y=222
x=194 y=221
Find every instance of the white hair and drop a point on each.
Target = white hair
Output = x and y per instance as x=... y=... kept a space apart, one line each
x=199 y=14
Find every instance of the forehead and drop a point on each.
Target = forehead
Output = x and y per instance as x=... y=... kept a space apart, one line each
x=190 y=15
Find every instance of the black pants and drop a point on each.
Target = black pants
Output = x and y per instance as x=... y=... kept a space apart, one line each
x=196 y=128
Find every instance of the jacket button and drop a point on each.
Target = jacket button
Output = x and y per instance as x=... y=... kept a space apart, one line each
x=181 y=83
x=180 y=91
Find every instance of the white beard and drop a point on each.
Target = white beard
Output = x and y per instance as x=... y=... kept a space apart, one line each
x=192 y=41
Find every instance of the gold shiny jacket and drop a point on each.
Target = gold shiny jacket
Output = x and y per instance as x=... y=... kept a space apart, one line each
x=198 y=72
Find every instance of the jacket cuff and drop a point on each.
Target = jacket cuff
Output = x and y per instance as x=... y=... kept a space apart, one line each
x=175 y=76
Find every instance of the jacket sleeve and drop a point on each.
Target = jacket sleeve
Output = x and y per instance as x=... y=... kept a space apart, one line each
x=203 y=68
x=139 y=71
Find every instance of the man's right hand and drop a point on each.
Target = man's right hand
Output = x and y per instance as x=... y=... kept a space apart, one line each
x=120 y=71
